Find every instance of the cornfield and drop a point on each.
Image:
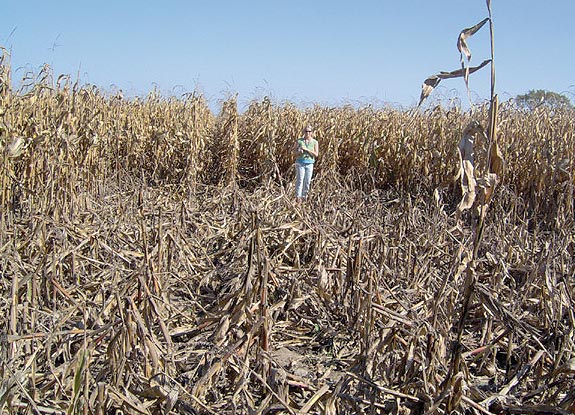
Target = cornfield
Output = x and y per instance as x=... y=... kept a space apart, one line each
x=152 y=259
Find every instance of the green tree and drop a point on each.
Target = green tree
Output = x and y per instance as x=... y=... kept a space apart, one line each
x=540 y=97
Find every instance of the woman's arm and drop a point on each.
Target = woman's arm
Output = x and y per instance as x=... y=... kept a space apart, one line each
x=297 y=148
x=315 y=150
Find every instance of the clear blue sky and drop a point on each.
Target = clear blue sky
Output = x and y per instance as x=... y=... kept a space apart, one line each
x=302 y=51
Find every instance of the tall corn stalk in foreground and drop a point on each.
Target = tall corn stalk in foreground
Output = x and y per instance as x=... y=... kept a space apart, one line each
x=477 y=186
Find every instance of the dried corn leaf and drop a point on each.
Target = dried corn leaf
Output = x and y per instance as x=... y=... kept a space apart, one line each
x=127 y=400
x=466 y=145
x=428 y=86
x=464 y=49
x=431 y=82
x=487 y=185
x=460 y=72
x=464 y=35
x=496 y=162
x=467 y=177
x=222 y=330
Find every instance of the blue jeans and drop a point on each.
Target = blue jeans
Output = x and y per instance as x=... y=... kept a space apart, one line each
x=303 y=178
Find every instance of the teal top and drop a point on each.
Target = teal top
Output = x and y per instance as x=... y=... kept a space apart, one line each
x=305 y=157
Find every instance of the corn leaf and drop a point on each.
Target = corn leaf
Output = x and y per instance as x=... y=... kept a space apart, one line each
x=464 y=49
x=497 y=163
x=431 y=82
x=428 y=86
x=464 y=35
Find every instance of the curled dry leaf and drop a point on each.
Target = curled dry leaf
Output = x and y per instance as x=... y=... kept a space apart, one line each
x=496 y=163
x=428 y=86
x=487 y=185
x=467 y=186
x=466 y=153
x=464 y=35
x=464 y=49
x=481 y=188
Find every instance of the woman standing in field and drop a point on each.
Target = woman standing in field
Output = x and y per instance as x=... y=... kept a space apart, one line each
x=307 y=150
